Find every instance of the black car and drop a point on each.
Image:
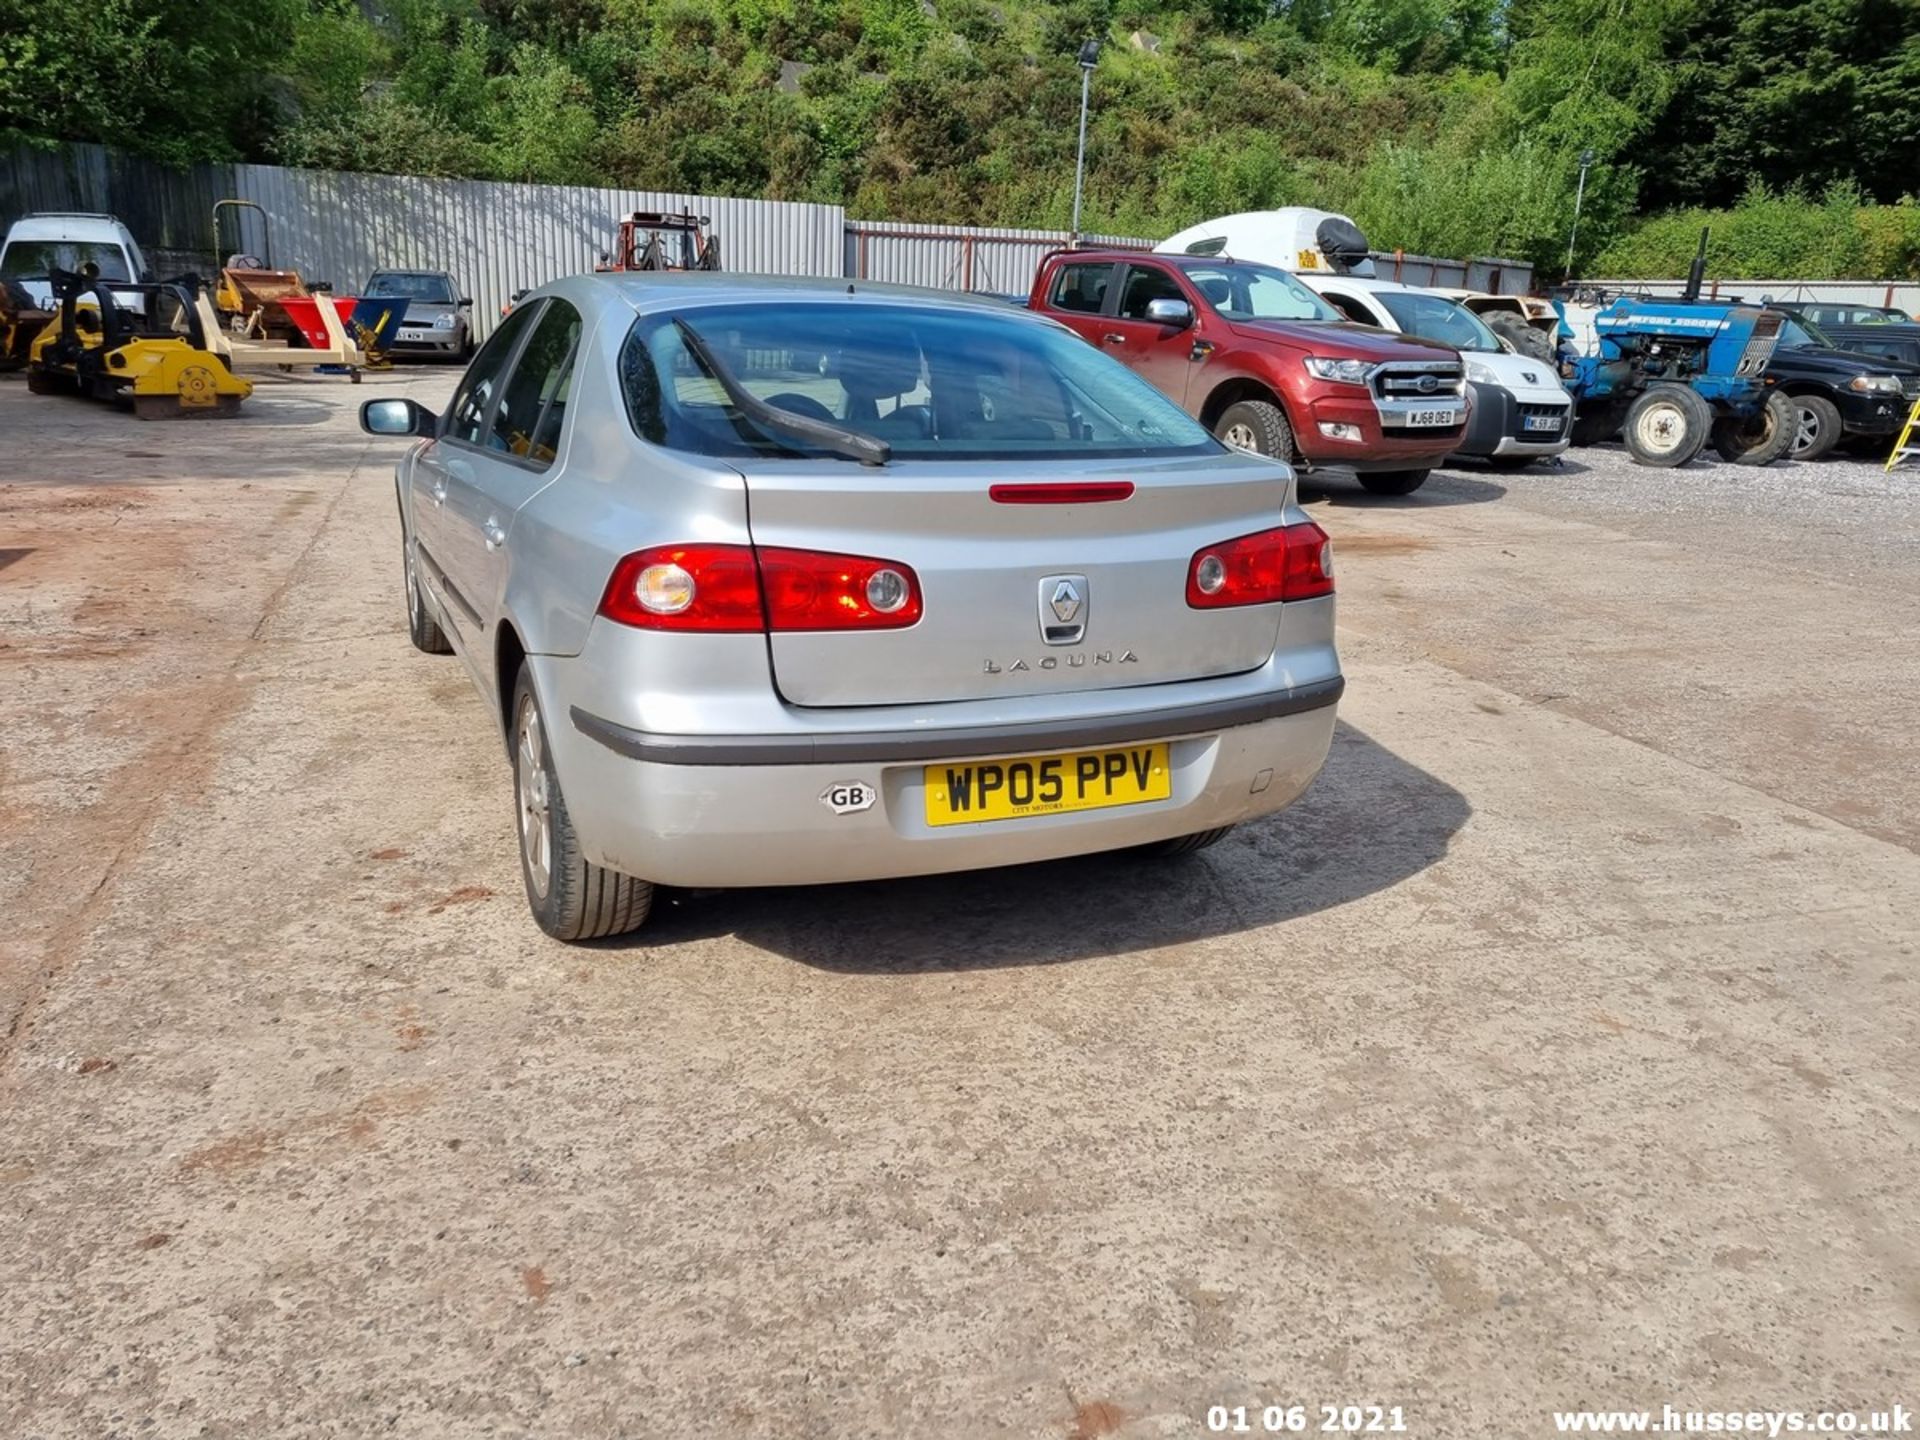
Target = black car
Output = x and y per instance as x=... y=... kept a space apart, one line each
x=1827 y=313
x=1840 y=394
x=1869 y=329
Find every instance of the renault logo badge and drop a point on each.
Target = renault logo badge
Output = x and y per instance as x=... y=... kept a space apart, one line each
x=1063 y=609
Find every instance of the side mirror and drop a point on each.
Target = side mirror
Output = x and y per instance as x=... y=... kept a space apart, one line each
x=1506 y=345
x=1176 y=313
x=466 y=302
x=398 y=417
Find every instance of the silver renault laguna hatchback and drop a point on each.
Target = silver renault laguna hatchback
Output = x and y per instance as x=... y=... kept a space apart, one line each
x=775 y=582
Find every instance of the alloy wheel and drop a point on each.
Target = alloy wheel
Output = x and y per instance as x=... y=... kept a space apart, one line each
x=536 y=808
x=1806 y=432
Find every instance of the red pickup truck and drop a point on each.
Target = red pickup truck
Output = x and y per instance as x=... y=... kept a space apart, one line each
x=1264 y=363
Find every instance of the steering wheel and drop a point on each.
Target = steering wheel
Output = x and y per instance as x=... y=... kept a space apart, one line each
x=795 y=403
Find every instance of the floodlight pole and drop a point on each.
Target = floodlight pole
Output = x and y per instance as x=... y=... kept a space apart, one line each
x=1089 y=57
x=1580 y=194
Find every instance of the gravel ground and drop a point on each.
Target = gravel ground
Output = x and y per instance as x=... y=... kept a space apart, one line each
x=1852 y=518
x=1561 y=1048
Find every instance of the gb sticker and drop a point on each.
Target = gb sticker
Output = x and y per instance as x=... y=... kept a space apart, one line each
x=848 y=797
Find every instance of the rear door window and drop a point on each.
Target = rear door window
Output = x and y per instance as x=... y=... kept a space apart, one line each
x=1145 y=284
x=526 y=423
x=467 y=418
x=1081 y=288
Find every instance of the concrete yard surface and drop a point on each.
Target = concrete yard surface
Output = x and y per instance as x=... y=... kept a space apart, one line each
x=1560 y=1049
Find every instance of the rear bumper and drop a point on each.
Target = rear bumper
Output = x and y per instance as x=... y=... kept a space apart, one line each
x=670 y=810
x=701 y=825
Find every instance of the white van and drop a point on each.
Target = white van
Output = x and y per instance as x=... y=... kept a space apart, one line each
x=39 y=244
x=1521 y=411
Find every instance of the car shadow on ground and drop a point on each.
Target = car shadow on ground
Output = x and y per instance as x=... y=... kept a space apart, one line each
x=1370 y=821
x=1342 y=489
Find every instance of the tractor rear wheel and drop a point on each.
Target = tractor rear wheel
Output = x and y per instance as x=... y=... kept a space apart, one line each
x=1667 y=426
x=1526 y=340
x=1760 y=438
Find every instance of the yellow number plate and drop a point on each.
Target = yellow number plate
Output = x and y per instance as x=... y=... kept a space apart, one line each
x=966 y=794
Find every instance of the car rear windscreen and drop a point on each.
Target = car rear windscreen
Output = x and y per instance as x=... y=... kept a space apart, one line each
x=933 y=383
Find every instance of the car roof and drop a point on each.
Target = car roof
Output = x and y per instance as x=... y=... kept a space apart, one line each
x=406 y=270
x=68 y=225
x=1356 y=282
x=652 y=290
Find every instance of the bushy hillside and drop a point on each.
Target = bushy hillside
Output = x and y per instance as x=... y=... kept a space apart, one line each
x=1446 y=126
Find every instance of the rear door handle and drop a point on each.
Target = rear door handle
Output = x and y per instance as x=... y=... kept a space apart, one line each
x=1111 y=338
x=495 y=534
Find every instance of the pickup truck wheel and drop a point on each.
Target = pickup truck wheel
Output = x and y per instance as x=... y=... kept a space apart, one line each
x=1760 y=438
x=1256 y=425
x=1817 y=428
x=1393 y=482
x=1667 y=426
x=571 y=897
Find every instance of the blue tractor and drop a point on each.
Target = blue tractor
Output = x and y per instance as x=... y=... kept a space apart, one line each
x=1674 y=375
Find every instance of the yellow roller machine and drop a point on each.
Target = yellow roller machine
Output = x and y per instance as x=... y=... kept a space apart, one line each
x=159 y=360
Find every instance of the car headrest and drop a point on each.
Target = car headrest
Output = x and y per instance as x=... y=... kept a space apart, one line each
x=1218 y=292
x=877 y=366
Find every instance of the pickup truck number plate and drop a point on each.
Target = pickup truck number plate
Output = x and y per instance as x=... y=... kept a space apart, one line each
x=1436 y=417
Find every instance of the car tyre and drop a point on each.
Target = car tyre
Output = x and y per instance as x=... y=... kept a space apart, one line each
x=1185 y=844
x=1393 y=482
x=571 y=897
x=422 y=627
x=1817 y=427
x=1597 y=426
x=1527 y=340
x=1256 y=425
x=1667 y=426
x=1760 y=438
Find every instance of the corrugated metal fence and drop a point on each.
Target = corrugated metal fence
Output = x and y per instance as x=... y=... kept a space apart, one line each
x=1902 y=293
x=497 y=238
x=954 y=257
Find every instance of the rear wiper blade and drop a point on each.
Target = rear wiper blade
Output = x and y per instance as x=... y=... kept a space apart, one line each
x=850 y=444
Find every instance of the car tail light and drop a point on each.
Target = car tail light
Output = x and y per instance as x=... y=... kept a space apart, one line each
x=686 y=587
x=810 y=591
x=1294 y=562
x=737 y=589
